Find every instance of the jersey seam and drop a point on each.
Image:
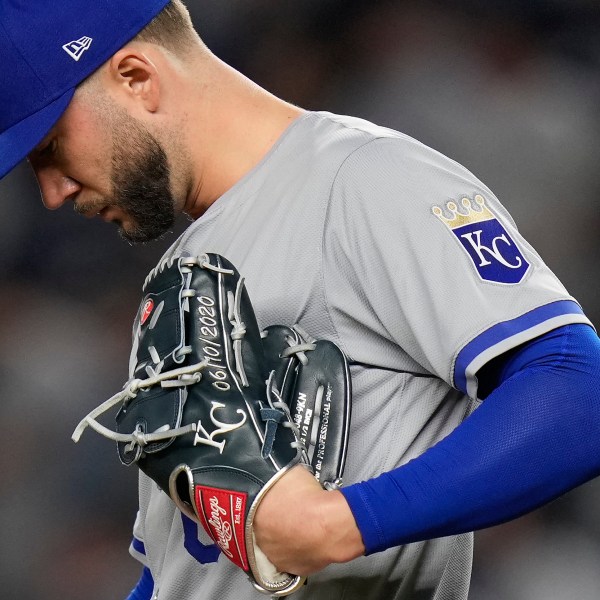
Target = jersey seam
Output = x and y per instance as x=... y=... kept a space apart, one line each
x=326 y=224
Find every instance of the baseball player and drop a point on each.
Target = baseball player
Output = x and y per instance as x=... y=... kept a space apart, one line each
x=475 y=374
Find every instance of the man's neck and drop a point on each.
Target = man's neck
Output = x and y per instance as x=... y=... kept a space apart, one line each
x=236 y=126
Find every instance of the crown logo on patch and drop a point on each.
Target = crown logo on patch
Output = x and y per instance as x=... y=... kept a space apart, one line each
x=460 y=219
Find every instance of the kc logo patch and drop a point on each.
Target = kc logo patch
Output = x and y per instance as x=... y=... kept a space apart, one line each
x=494 y=253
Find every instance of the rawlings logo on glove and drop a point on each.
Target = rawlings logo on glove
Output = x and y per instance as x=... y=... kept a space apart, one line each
x=206 y=410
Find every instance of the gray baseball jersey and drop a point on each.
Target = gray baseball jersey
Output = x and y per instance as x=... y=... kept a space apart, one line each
x=410 y=264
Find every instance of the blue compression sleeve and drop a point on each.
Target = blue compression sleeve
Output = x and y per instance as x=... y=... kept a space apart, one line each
x=536 y=436
x=143 y=589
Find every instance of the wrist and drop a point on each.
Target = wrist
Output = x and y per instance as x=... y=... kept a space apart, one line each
x=341 y=533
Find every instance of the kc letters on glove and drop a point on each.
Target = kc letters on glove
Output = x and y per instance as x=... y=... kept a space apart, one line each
x=216 y=411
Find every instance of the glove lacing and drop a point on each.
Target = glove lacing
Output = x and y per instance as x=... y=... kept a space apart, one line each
x=308 y=344
x=182 y=376
x=275 y=414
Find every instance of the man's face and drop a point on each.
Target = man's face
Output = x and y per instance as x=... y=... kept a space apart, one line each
x=108 y=165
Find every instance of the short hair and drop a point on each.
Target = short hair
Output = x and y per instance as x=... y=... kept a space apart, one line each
x=172 y=28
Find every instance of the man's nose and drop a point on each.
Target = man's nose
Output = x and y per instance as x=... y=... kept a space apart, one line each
x=56 y=188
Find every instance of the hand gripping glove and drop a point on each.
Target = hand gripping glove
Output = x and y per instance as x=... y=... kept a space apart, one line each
x=201 y=413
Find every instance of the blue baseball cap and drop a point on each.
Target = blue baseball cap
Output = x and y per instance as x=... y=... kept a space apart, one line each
x=48 y=47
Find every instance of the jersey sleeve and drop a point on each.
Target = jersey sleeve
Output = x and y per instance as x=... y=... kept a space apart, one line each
x=420 y=254
x=137 y=548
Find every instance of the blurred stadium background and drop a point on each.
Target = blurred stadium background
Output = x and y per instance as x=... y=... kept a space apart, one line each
x=509 y=88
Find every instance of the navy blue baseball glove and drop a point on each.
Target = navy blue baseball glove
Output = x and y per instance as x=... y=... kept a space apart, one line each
x=216 y=411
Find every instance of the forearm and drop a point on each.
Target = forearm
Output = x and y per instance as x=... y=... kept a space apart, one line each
x=534 y=438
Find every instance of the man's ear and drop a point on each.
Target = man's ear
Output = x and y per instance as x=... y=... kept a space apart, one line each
x=133 y=73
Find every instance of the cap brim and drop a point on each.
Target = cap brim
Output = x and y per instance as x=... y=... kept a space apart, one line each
x=18 y=141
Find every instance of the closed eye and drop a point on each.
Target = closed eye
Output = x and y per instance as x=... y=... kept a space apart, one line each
x=45 y=150
x=48 y=149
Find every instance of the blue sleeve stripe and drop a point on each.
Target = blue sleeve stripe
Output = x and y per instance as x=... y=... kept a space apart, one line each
x=506 y=335
x=138 y=546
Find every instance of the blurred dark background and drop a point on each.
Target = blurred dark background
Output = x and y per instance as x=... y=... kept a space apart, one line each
x=510 y=89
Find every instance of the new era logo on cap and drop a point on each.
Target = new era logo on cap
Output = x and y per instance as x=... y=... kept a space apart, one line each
x=77 y=47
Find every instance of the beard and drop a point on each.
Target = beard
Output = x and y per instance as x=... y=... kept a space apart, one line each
x=141 y=183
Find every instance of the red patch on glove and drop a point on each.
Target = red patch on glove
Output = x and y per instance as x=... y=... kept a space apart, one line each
x=222 y=513
x=147 y=310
